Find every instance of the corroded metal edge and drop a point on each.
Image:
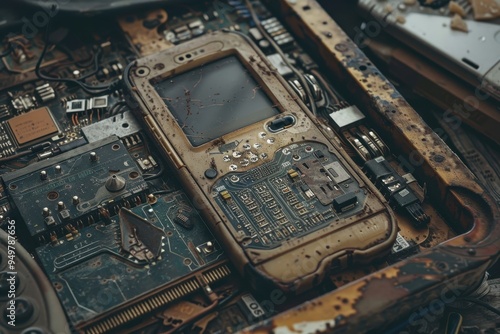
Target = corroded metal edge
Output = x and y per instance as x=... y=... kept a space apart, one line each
x=434 y=277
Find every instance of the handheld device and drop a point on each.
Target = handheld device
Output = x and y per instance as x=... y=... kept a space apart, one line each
x=285 y=201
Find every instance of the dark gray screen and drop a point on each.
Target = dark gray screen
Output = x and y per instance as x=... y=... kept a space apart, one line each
x=215 y=99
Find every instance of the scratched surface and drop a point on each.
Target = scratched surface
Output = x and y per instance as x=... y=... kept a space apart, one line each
x=441 y=274
x=92 y=276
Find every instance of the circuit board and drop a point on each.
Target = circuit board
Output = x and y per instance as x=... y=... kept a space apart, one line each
x=95 y=261
x=70 y=188
x=303 y=189
x=122 y=240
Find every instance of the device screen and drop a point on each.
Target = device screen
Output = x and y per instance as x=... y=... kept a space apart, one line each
x=215 y=99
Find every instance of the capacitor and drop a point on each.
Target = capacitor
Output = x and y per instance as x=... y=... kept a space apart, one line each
x=152 y=199
x=209 y=247
x=45 y=212
x=43 y=175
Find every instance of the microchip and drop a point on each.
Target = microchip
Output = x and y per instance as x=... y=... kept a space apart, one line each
x=76 y=106
x=98 y=102
x=32 y=126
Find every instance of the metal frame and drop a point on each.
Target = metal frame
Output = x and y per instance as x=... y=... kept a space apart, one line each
x=437 y=276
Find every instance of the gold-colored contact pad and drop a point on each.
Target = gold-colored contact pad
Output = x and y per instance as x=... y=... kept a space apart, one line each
x=32 y=126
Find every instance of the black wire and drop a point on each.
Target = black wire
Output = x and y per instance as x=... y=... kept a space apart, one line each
x=87 y=62
x=326 y=86
x=96 y=65
x=99 y=90
x=15 y=156
x=122 y=108
x=126 y=76
x=149 y=177
x=88 y=89
x=482 y=303
x=33 y=149
x=115 y=108
x=164 y=192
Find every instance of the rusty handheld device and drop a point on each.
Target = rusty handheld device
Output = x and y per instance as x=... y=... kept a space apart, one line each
x=285 y=201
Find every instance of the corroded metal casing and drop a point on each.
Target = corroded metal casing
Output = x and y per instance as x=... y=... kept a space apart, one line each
x=302 y=260
x=436 y=277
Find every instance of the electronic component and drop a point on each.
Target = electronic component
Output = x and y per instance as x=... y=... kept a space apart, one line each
x=185 y=32
x=4 y=110
x=139 y=238
x=346 y=117
x=234 y=115
x=197 y=28
x=211 y=15
x=7 y=147
x=32 y=126
x=366 y=142
x=299 y=90
x=277 y=61
x=272 y=207
x=114 y=68
x=372 y=136
x=122 y=233
x=26 y=52
x=316 y=90
x=45 y=92
x=345 y=202
x=23 y=103
x=142 y=31
x=402 y=249
x=98 y=102
x=43 y=192
x=119 y=225
x=121 y=125
x=147 y=163
x=80 y=105
x=76 y=106
x=394 y=188
x=278 y=33
x=150 y=261
x=306 y=62
x=255 y=33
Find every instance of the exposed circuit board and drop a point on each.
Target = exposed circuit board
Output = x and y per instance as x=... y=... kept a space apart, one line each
x=107 y=220
x=303 y=189
x=74 y=187
x=104 y=267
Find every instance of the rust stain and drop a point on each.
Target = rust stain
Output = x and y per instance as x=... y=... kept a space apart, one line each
x=319 y=310
x=375 y=299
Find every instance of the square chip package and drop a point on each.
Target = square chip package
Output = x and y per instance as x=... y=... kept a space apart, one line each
x=32 y=126
x=98 y=102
